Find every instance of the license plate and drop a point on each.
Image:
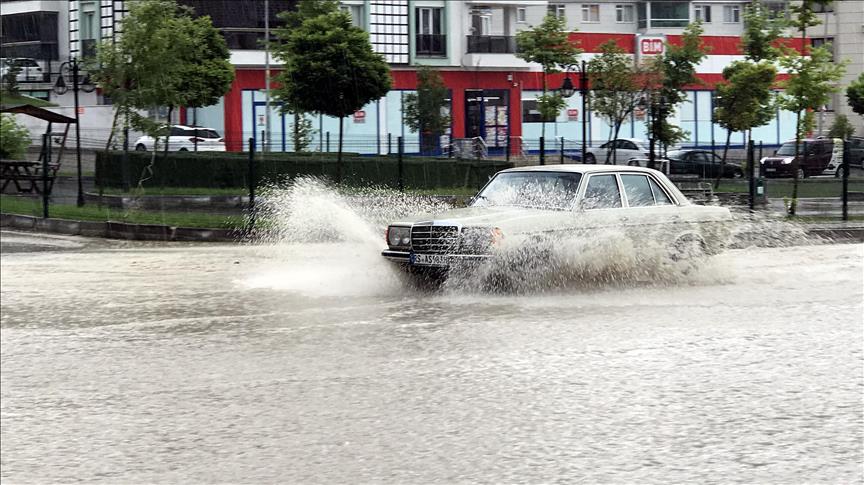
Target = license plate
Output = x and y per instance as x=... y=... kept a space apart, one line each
x=430 y=259
x=770 y=169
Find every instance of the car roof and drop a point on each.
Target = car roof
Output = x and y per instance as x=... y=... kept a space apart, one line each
x=581 y=168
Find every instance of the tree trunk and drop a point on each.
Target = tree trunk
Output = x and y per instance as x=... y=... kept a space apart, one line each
x=543 y=115
x=297 y=147
x=615 y=137
x=723 y=160
x=113 y=129
x=168 y=136
x=795 y=164
x=339 y=154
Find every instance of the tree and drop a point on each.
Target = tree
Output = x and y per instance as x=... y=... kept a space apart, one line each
x=855 y=95
x=164 y=58
x=841 y=128
x=674 y=69
x=10 y=79
x=426 y=112
x=745 y=100
x=761 y=31
x=616 y=90
x=14 y=138
x=548 y=44
x=812 y=75
x=329 y=68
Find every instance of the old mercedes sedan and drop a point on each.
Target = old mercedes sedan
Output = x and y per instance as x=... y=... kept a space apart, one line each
x=538 y=205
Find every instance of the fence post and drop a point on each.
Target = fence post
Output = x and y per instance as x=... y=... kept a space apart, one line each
x=328 y=142
x=400 y=143
x=389 y=142
x=562 y=151
x=845 y=167
x=751 y=172
x=124 y=166
x=46 y=146
x=251 y=186
x=542 y=151
x=760 y=177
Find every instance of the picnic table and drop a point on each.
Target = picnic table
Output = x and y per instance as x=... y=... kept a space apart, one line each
x=26 y=175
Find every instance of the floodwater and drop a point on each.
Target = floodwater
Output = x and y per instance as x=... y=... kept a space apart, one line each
x=312 y=362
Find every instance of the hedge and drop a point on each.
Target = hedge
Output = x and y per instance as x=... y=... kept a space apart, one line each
x=230 y=170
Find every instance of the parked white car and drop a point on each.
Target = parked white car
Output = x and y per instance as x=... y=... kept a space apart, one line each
x=539 y=205
x=185 y=139
x=30 y=70
x=621 y=151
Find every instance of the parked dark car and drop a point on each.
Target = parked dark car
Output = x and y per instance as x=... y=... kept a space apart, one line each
x=856 y=151
x=703 y=163
x=814 y=156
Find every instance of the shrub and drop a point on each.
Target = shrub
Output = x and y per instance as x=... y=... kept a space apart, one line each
x=14 y=138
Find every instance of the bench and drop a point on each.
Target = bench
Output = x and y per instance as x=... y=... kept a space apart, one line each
x=26 y=176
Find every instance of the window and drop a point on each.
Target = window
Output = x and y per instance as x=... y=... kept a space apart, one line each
x=557 y=9
x=703 y=13
x=732 y=14
x=826 y=42
x=660 y=196
x=823 y=8
x=776 y=10
x=624 y=13
x=429 y=40
x=531 y=114
x=590 y=12
x=520 y=15
x=356 y=13
x=602 y=193
x=637 y=190
x=670 y=14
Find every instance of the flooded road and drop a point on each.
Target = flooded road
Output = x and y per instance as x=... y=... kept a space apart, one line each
x=311 y=363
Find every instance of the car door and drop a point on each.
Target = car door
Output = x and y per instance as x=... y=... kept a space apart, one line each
x=601 y=205
x=702 y=165
x=649 y=212
x=628 y=151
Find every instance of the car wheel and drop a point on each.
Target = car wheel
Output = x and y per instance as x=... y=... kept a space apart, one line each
x=689 y=247
x=633 y=163
x=184 y=149
x=589 y=158
x=801 y=174
x=140 y=148
x=738 y=174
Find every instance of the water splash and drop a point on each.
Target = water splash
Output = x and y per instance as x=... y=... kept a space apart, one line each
x=324 y=241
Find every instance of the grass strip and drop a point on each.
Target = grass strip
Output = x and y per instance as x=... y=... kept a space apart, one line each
x=33 y=207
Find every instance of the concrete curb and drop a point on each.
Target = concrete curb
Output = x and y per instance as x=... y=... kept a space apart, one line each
x=117 y=230
x=156 y=202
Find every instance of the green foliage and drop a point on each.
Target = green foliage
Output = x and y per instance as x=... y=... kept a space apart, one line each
x=301 y=132
x=329 y=66
x=855 y=95
x=615 y=88
x=674 y=70
x=547 y=44
x=760 y=33
x=841 y=128
x=165 y=57
x=14 y=138
x=426 y=111
x=10 y=79
x=225 y=170
x=812 y=80
x=745 y=100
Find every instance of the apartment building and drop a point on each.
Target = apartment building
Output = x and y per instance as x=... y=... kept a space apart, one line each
x=493 y=92
x=472 y=43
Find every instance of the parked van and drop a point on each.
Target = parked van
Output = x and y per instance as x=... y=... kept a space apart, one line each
x=814 y=156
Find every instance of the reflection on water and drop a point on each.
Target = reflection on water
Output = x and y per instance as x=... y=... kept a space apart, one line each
x=308 y=360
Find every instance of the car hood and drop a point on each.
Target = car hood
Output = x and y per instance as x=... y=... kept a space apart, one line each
x=485 y=216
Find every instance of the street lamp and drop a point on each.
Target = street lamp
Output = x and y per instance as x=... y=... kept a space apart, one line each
x=70 y=69
x=567 y=91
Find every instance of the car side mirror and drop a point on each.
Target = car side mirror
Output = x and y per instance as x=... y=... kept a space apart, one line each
x=775 y=152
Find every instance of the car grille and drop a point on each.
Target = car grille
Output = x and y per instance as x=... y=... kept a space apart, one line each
x=435 y=239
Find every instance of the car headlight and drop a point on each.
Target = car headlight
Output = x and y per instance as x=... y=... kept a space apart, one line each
x=788 y=160
x=398 y=236
x=478 y=240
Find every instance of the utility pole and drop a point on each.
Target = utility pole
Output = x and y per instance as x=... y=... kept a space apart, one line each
x=266 y=141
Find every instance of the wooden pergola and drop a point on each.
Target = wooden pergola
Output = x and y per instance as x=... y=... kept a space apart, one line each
x=49 y=116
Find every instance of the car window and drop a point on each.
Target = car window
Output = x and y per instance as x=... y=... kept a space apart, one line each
x=660 y=196
x=786 y=149
x=177 y=131
x=545 y=190
x=602 y=193
x=628 y=145
x=700 y=157
x=606 y=145
x=637 y=190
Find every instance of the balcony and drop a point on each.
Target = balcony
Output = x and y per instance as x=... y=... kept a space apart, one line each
x=431 y=45
x=491 y=44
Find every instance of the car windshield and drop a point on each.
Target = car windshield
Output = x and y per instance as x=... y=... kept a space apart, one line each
x=675 y=154
x=542 y=190
x=787 y=149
